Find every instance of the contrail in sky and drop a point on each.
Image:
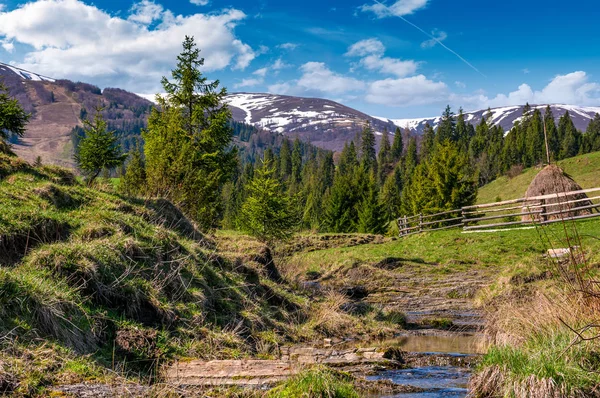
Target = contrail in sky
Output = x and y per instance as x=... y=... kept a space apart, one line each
x=443 y=45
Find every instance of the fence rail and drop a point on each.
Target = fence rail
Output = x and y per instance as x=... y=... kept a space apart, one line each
x=540 y=210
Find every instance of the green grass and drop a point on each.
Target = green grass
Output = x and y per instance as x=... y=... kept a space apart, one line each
x=100 y=284
x=584 y=169
x=548 y=356
x=443 y=252
x=318 y=382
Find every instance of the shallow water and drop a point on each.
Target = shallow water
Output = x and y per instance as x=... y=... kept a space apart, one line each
x=439 y=381
x=452 y=344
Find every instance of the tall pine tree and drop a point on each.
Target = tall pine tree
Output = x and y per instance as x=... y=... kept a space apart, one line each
x=368 y=157
x=188 y=140
x=397 y=146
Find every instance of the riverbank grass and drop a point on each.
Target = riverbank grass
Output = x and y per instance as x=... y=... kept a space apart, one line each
x=318 y=382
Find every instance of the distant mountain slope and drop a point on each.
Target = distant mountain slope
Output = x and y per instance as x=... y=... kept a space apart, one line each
x=324 y=123
x=505 y=117
x=57 y=107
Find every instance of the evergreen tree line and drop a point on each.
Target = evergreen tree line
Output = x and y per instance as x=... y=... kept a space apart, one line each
x=189 y=157
x=367 y=191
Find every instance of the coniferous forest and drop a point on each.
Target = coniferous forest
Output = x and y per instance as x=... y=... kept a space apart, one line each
x=211 y=167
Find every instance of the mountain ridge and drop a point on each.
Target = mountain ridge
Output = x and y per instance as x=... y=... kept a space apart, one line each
x=505 y=116
x=57 y=105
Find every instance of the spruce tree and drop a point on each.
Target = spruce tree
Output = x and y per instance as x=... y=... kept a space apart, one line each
x=339 y=213
x=368 y=158
x=397 y=146
x=510 y=153
x=13 y=119
x=188 y=140
x=428 y=142
x=133 y=181
x=267 y=212
x=452 y=179
x=417 y=191
x=391 y=195
x=296 y=161
x=348 y=159
x=445 y=182
x=384 y=158
x=570 y=137
x=551 y=134
x=591 y=138
x=535 y=145
x=447 y=127
x=327 y=171
x=462 y=132
x=98 y=150
x=285 y=159
x=370 y=212
x=411 y=158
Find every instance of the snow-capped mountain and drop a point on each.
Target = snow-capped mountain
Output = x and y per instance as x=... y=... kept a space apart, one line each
x=329 y=124
x=322 y=122
x=505 y=117
x=26 y=75
x=56 y=105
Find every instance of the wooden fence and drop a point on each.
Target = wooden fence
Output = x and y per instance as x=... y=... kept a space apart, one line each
x=523 y=212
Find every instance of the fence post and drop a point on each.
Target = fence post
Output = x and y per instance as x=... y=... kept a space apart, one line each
x=420 y=222
x=464 y=218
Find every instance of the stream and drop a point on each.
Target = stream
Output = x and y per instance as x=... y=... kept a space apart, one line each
x=446 y=379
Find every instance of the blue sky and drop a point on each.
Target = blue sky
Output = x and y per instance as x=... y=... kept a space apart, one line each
x=379 y=57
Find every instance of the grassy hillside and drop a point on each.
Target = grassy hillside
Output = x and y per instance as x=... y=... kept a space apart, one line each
x=97 y=286
x=584 y=169
x=524 y=295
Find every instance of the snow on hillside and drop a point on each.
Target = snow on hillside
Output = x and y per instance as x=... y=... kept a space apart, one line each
x=24 y=74
x=323 y=122
x=504 y=116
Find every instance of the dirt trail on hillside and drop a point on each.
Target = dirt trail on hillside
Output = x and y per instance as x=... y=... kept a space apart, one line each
x=48 y=133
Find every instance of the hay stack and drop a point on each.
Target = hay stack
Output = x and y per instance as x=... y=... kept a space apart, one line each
x=552 y=179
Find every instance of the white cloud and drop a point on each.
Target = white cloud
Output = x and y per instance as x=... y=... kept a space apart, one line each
x=115 y=50
x=199 y=2
x=287 y=46
x=415 y=90
x=280 y=88
x=145 y=12
x=261 y=72
x=316 y=76
x=9 y=46
x=389 y=65
x=572 y=88
x=366 y=47
x=251 y=82
x=460 y=84
x=279 y=65
x=526 y=71
x=372 y=50
x=262 y=49
x=437 y=37
x=399 y=9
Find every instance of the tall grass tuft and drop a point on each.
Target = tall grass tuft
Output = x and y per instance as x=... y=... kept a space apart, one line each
x=318 y=382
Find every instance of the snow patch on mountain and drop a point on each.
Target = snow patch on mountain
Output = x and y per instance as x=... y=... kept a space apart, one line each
x=505 y=117
x=24 y=74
